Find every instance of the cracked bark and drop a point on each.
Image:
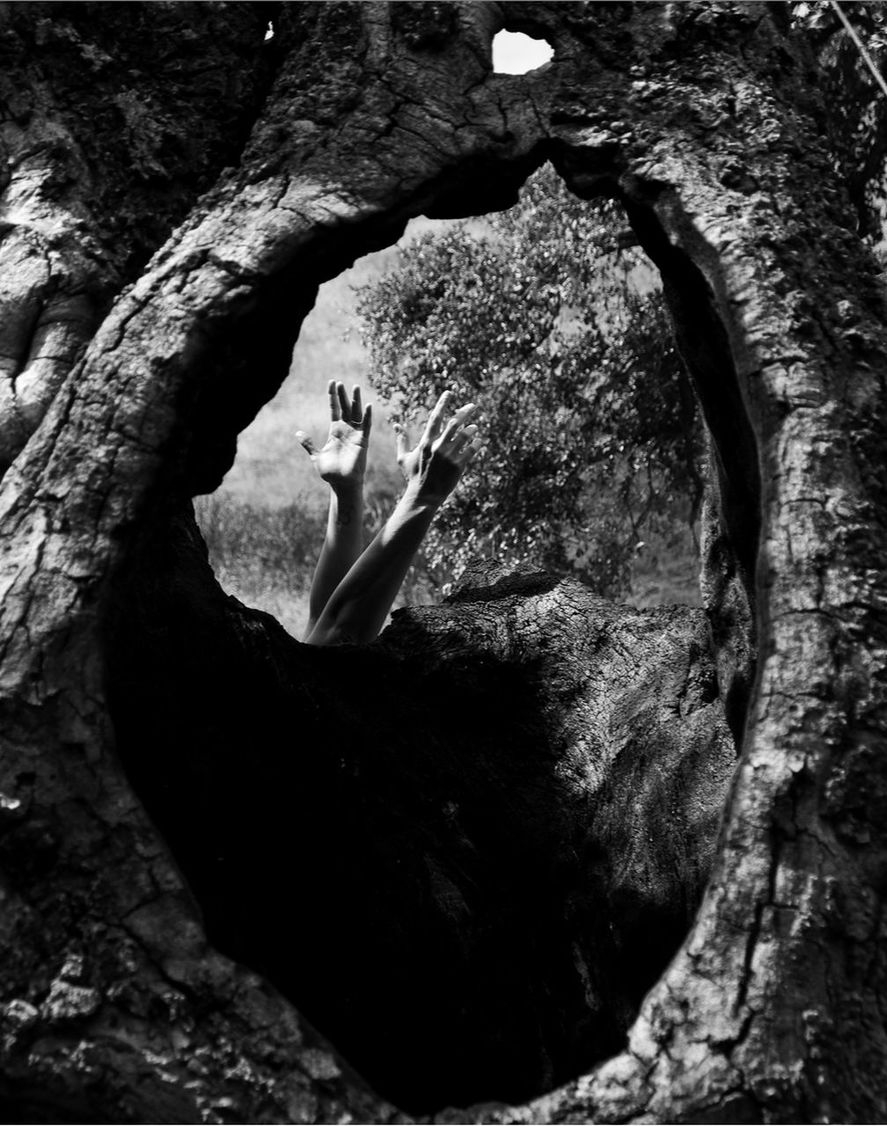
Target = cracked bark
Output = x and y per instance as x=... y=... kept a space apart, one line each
x=700 y=117
x=112 y=123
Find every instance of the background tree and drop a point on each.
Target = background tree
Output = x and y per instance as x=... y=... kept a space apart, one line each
x=558 y=330
x=857 y=122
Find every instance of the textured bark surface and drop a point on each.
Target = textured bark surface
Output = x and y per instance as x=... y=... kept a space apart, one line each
x=706 y=121
x=112 y=120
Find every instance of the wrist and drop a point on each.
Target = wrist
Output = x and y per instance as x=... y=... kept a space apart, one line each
x=414 y=497
x=348 y=489
x=346 y=508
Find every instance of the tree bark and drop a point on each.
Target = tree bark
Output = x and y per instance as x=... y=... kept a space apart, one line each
x=113 y=121
x=125 y=671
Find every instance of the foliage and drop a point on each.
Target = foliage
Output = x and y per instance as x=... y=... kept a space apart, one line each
x=857 y=107
x=557 y=332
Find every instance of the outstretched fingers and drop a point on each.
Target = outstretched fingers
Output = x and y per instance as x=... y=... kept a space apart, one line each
x=466 y=451
x=453 y=427
x=459 y=442
x=460 y=438
x=435 y=419
x=365 y=422
x=344 y=402
x=332 y=391
x=351 y=410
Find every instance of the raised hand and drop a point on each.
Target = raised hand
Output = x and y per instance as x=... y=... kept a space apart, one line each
x=433 y=468
x=356 y=610
x=341 y=461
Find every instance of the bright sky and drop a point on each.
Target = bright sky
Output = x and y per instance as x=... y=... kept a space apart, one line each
x=516 y=53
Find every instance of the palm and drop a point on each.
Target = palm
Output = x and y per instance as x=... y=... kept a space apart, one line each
x=345 y=453
x=435 y=465
x=342 y=459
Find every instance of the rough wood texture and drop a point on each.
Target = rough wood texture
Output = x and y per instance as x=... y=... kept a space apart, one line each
x=703 y=119
x=112 y=120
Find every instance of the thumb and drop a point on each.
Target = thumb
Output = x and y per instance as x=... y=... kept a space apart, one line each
x=305 y=442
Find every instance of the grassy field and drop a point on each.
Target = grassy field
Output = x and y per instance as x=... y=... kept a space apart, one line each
x=265 y=523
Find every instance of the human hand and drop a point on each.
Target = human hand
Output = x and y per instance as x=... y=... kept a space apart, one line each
x=341 y=462
x=432 y=470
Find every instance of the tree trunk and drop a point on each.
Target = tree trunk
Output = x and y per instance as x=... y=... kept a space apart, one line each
x=468 y=909
x=114 y=120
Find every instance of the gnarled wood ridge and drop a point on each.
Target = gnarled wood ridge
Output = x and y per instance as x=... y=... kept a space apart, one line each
x=467 y=910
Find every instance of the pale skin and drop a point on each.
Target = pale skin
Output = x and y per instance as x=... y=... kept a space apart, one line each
x=352 y=592
x=341 y=462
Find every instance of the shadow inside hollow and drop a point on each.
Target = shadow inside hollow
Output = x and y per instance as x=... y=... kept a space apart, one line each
x=423 y=842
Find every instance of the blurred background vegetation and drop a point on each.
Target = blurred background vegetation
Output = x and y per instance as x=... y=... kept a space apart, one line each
x=549 y=319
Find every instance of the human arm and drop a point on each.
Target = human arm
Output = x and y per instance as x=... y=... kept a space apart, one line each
x=341 y=462
x=357 y=609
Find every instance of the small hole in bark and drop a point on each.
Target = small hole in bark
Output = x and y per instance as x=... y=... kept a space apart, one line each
x=269 y=31
x=517 y=53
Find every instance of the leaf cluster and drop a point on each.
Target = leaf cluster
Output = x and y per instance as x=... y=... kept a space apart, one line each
x=856 y=120
x=557 y=330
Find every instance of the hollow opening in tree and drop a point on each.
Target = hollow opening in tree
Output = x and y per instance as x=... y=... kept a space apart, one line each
x=552 y=322
x=464 y=855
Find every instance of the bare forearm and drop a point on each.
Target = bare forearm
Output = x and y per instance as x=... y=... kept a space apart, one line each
x=341 y=547
x=356 y=611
